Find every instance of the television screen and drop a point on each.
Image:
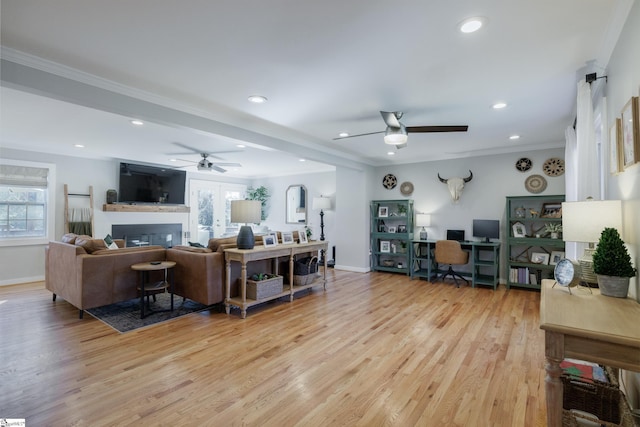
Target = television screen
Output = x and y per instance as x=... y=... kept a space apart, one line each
x=151 y=184
x=486 y=229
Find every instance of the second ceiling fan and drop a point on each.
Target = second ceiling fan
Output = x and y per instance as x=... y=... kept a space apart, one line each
x=397 y=133
x=205 y=164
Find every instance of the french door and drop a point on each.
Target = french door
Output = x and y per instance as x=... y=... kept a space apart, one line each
x=210 y=204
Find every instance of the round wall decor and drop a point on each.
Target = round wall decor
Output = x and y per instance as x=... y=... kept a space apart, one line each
x=523 y=164
x=535 y=184
x=406 y=188
x=389 y=181
x=553 y=167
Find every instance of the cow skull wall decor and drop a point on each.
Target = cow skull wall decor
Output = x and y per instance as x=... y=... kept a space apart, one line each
x=456 y=185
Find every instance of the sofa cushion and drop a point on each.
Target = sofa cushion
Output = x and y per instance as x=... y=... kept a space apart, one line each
x=192 y=249
x=119 y=251
x=214 y=244
x=69 y=238
x=90 y=244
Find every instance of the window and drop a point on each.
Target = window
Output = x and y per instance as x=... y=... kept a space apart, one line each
x=26 y=207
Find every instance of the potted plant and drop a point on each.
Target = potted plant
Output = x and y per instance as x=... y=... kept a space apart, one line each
x=262 y=194
x=402 y=210
x=612 y=264
x=553 y=228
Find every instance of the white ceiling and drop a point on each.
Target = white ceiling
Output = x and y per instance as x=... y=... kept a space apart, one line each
x=325 y=67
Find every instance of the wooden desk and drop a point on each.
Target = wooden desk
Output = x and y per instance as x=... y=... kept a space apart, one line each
x=484 y=259
x=243 y=256
x=588 y=327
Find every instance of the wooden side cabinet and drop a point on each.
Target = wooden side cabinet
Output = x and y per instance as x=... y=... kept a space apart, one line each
x=391 y=235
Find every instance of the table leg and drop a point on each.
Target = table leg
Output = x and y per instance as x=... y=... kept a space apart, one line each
x=291 y=262
x=554 y=348
x=143 y=278
x=170 y=285
x=324 y=274
x=227 y=306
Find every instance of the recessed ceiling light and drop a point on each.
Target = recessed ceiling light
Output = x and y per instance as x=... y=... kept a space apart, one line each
x=499 y=105
x=78 y=145
x=391 y=153
x=343 y=134
x=257 y=99
x=514 y=137
x=240 y=146
x=302 y=160
x=137 y=122
x=471 y=25
x=173 y=160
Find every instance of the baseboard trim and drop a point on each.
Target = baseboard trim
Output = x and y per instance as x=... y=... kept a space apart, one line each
x=21 y=280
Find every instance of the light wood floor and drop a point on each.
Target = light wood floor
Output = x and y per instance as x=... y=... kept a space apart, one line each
x=373 y=350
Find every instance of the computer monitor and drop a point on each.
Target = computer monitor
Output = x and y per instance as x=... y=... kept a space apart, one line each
x=455 y=235
x=486 y=229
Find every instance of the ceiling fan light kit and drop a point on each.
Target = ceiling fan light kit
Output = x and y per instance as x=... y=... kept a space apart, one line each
x=395 y=136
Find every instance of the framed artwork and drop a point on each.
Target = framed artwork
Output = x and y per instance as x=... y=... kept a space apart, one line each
x=402 y=229
x=540 y=258
x=556 y=256
x=302 y=236
x=519 y=229
x=392 y=229
x=551 y=210
x=287 y=237
x=383 y=211
x=385 y=246
x=615 y=147
x=630 y=133
x=269 y=240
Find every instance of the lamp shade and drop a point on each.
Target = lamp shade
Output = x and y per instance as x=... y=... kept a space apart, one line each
x=246 y=211
x=423 y=220
x=395 y=136
x=584 y=221
x=321 y=203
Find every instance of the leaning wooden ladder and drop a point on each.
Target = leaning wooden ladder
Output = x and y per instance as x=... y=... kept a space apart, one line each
x=70 y=214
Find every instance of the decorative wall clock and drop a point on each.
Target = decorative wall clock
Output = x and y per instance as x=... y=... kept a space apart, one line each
x=553 y=167
x=389 y=181
x=523 y=164
x=406 y=188
x=535 y=184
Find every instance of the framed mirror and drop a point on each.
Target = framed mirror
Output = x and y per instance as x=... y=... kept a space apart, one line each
x=296 y=207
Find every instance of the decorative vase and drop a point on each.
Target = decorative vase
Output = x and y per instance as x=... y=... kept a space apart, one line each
x=520 y=212
x=613 y=286
x=554 y=235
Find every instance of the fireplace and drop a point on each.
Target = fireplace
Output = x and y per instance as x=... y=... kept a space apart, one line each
x=166 y=235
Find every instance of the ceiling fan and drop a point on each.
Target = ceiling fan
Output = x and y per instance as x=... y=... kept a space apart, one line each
x=396 y=132
x=205 y=164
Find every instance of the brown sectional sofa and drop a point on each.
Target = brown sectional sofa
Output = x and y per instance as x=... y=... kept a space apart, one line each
x=85 y=273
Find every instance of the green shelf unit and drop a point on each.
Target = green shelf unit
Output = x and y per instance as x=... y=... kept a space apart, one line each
x=521 y=271
x=390 y=251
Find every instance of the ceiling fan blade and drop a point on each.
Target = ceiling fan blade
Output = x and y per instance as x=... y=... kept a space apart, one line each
x=217 y=168
x=232 y=165
x=391 y=119
x=194 y=150
x=360 y=134
x=418 y=129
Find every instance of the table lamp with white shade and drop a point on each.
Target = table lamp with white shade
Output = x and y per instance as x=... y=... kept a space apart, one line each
x=247 y=212
x=584 y=221
x=423 y=220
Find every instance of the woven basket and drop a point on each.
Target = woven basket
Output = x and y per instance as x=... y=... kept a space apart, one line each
x=305 y=271
x=258 y=290
x=604 y=400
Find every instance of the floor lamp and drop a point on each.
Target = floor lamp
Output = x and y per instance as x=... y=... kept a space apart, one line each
x=245 y=211
x=322 y=204
x=583 y=222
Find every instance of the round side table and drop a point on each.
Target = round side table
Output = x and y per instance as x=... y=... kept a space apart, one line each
x=146 y=288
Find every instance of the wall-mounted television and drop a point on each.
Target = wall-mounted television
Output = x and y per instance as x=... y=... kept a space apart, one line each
x=486 y=229
x=151 y=184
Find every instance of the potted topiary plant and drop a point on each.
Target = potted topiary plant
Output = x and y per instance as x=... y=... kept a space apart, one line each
x=553 y=229
x=612 y=264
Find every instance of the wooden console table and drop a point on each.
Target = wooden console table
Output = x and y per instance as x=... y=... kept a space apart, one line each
x=588 y=327
x=243 y=256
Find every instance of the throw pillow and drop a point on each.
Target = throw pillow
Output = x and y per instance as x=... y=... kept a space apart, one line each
x=108 y=240
x=90 y=244
x=69 y=238
x=196 y=245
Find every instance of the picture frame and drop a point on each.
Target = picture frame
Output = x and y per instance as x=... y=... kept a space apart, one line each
x=539 y=258
x=551 y=210
x=269 y=240
x=287 y=237
x=391 y=229
x=615 y=147
x=383 y=211
x=402 y=229
x=519 y=230
x=385 y=246
x=630 y=133
x=302 y=236
x=556 y=256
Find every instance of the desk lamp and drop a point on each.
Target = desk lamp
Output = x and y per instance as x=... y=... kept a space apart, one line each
x=583 y=222
x=245 y=211
x=423 y=220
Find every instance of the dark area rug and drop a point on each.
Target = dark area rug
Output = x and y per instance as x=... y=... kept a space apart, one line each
x=125 y=316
